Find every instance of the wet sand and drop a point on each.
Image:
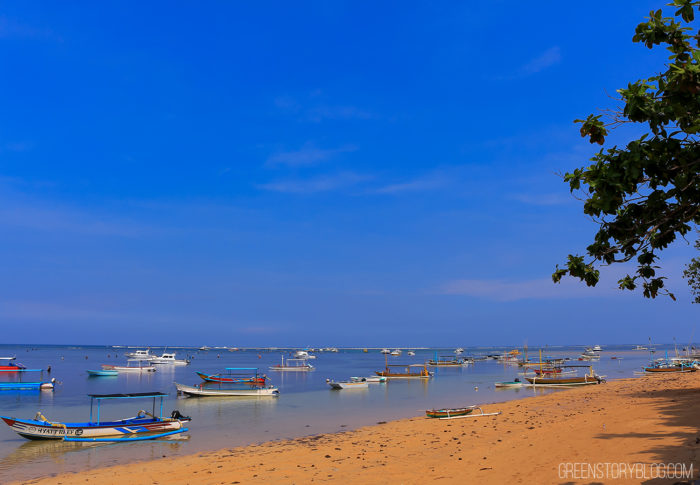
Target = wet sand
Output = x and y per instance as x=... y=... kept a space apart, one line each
x=649 y=420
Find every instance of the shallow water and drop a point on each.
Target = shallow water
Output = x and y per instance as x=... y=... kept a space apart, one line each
x=306 y=404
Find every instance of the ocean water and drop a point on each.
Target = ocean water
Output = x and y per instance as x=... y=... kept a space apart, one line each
x=305 y=406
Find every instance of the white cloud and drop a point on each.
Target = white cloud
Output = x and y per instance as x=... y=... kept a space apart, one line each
x=548 y=58
x=417 y=185
x=324 y=183
x=307 y=155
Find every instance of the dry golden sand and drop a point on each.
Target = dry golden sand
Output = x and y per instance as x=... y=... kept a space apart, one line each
x=649 y=420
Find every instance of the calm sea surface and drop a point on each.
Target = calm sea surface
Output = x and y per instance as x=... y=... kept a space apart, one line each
x=306 y=404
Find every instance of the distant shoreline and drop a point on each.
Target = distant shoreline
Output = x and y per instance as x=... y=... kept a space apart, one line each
x=652 y=419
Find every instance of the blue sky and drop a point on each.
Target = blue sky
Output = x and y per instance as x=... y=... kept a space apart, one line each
x=327 y=173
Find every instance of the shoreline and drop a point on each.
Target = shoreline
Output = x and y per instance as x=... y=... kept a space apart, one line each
x=651 y=419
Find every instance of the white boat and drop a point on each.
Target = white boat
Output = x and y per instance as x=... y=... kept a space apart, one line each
x=396 y=352
x=203 y=390
x=293 y=365
x=370 y=379
x=410 y=353
x=132 y=365
x=303 y=354
x=140 y=355
x=167 y=358
x=351 y=384
x=459 y=351
x=511 y=384
x=385 y=351
x=641 y=347
x=597 y=348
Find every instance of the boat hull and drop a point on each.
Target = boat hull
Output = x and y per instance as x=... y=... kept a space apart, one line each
x=292 y=368
x=216 y=378
x=571 y=381
x=448 y=413
x=44 y=430
x=248 y=392
x=122 y=369
x=348 y=385
x=669 y=369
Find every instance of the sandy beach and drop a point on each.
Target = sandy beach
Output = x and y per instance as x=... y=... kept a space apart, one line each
x=614 y=432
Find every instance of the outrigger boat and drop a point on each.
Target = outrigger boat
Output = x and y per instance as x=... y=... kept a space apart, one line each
x=298 y=365
x=204 y=390
x=129 y=367
x=234 y=374
x=7 y=365
x=144 y=426
x=665 y=368
x=455 y=413
x=509 y=384
x=449 y=361
x=543 y=380
x=353 y=383
x=27 y=386
x=102 y=373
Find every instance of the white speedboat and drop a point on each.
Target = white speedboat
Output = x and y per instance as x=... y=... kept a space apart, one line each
x=459 y=351
x=385 y=351
x=410 y=353
x=597 y=348
x=140 y=355
x=396 y=352
x=303 y=354
x=167 y=358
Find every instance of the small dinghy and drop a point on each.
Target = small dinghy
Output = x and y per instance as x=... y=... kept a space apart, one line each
x=102 y=373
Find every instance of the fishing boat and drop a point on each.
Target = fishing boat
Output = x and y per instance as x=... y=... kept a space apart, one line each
x=7 y=365
x=459 y=351
x=132 y=365
x=168 y=358
x=509 y=384
x=202 y=390
x=666 y=368
x=353 y=383
x=102 y=373
x=405 y=371
x=455 y=413
x=144 y=426
x=27 y=386
x=385 y=351
x=410 y=353
x=141 y=355
x=396 y=352
x=371 y=379
x=586 y=379
x=293 y=365
x=448 y=361
x=237 y=375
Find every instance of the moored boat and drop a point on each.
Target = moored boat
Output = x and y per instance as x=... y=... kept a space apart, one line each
x=353 y=383
x=7 y=364
x=247 y=375
x=168 y=358
x=27 y=386
x=102 y=373
x=132 y=365
x=145 y=425
x=293 y=365
x=140 y=355
x=203 y=390
x=509 y=384
x=409 y=371
x=448 y=412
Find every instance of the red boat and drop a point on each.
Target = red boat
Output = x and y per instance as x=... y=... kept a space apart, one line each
x=6 y=365
x=235 y=375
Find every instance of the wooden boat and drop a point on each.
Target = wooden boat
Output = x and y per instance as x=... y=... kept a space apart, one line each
x=510 y=384
x=237 y=375
x=584 y=380
x=392 y=371
x=293 y=365
x=448 y=361
x=371 y=379
x=102 y=373
x=670 y=368
x=27 y=386
x=456 y=413
x=353 y=383
x=7 y=365
x=130 y=367
x=202 y=390
x=144 y=426
x=167 y=358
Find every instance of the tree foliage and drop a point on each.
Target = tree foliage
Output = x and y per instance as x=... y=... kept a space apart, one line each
x=646 y=194
x=692 y=274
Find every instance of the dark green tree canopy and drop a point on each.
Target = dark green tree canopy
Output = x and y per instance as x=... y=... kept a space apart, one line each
x=646 y=194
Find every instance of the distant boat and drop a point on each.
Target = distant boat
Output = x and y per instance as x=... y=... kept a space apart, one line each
x=7 y=365
x=459 y=351
x=293 y=365
x=353 y=383
x=410 y=371
x=140 y=355
x=597 y=348
x=130 y=367
x=385 y=351
x=303 y=354
x=167 y=358
x=102 y=373
x=448 y=361
x=509 y=384
x=396 y=352
x=371 y=379
x=143 y=426
x=410 y=353
x=203 y=390
x=248 y=375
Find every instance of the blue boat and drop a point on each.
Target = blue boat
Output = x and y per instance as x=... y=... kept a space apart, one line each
x=143 y=426
x=27 y=386
x=102 y=373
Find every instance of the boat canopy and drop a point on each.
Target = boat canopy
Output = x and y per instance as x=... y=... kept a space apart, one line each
x=8 y=358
